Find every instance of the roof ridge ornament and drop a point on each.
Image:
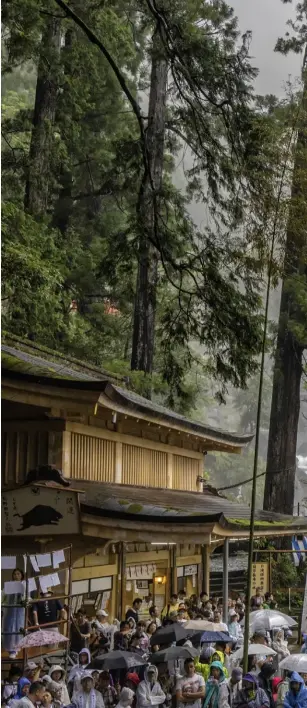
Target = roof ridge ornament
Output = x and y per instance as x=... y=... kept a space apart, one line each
x=46 y=473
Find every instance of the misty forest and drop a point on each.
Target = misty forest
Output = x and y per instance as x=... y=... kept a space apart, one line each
x=104 y=104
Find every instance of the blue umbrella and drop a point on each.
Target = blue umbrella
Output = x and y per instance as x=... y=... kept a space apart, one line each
x=211 y=637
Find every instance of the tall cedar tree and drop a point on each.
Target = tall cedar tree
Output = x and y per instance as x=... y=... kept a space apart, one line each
x=211 y=280
x=292 y=325
x=217 y=297
x=143 y=340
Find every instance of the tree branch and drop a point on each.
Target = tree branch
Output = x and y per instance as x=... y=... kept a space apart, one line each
x=120 y=77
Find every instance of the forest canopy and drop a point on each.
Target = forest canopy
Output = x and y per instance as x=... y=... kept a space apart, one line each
x=101 y=256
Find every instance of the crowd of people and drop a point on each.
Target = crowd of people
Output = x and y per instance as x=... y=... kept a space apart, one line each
x=212 y=679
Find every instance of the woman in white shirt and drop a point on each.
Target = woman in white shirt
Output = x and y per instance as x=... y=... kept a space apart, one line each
x=190 y=689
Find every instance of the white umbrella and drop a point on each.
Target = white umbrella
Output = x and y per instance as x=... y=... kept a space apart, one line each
x=269 y=619
x=294 y=662
x=254 y=650
x=205 y=626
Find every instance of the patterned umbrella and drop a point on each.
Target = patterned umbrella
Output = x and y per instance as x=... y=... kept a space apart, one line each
x=41 y=638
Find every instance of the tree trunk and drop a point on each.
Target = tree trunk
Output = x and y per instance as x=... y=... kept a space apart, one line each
x=285 y=408
x=148 y=259
x=64 y=205
x=281 y=457
x=38 y=177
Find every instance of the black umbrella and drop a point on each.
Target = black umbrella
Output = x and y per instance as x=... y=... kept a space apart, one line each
x=173 y=653
x=117 y=660
x=171 y=633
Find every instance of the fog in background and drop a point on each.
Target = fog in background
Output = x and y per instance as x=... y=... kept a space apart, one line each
x=267 y=20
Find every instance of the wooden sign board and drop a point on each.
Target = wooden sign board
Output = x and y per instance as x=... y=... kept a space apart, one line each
x=39 y=510
x=260 y=577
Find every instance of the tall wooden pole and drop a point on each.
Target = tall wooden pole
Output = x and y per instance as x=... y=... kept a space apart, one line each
x=225 y=580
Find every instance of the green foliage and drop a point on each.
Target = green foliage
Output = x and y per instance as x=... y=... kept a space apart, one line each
x=284 y=573
x=32 y=279
x=69 y=278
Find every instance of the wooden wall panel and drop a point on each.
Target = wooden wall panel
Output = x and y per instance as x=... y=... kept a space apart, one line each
x=144 y=467
x=92 y=458
x=21 y=451
x=185 y=473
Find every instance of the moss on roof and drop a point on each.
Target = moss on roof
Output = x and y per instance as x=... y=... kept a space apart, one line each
x=31 y=358
x=246 y=522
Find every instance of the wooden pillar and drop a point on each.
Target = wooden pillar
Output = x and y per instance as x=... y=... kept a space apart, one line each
x=205 y=562
x=174 y=569
x=118 y=462
x=121 y=595
x=154 y=589
x=199 y=483
x=225 y=579
x=59 y=450
x=169 y=482
x=172 y=574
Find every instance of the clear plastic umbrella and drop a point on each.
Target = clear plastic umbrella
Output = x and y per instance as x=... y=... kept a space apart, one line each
x=254 y=650
x=294 y=662
x=205 y=626
x=269 y=619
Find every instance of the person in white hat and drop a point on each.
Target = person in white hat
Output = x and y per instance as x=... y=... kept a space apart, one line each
x=149 y=691
x=87 y=697
x=126 y=698
x=102 y=626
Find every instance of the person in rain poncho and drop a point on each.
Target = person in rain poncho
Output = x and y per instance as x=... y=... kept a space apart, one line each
x=304 y=646
x=57 y=675
x=87 y=697
x=9 y=685
x=265 y=680
x=216 y=656
x=297 y=694
x=251 y=696
x=201 y=664
x=235 y=684
x=190 y=689
x=283 y=689
x=77 y=671
x=280 y=645
x=149 y=691
x=34 y=696
x=126 y=697
x=23 y=688
x=234 y=628
x=217 y=691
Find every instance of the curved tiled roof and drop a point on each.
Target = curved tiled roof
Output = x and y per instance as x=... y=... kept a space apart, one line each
x=138 y=405
x=171 y=505
x=32 y=362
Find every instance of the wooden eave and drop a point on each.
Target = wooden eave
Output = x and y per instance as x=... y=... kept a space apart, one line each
x=79 y=396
